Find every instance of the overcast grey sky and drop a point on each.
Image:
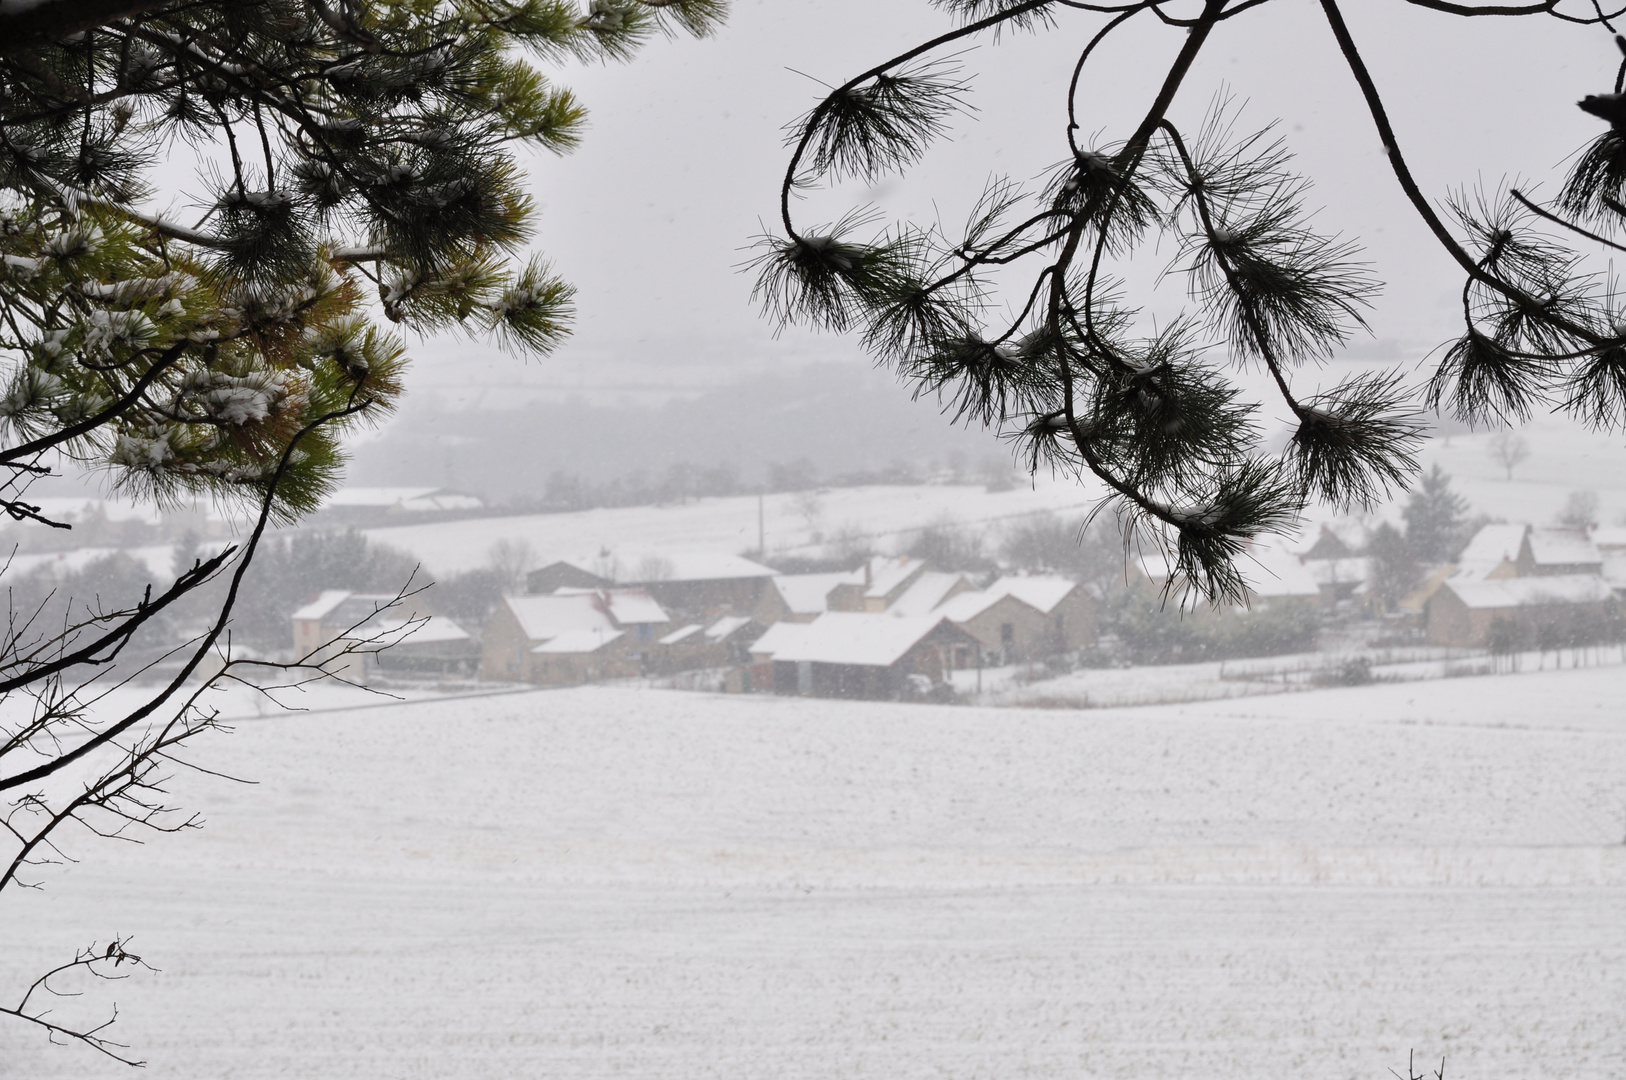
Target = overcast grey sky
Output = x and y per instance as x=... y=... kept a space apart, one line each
x=683 y=155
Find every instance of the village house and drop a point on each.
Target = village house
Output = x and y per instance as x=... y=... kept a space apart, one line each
x=563 y=575
x=419 y=644
x=1342 y=541
x=1556 y=610
x=1008 y=629
x=1073 y=610
x=572 y=636
x=1339 y=580
x=583 y=656
x=1557 y=551
x=726 y=642
x=1019 y=619
x=704 y=586
x=1610 y=541
x=1277 y=577
x=863 y=655
x=1492 y=554
x=928 y=591
x=1332 y=561
x=885 y=579
x=802 y=597
x=1523 y=582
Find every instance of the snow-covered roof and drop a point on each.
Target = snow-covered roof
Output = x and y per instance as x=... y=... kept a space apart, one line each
x=968 y=605
x=627 y=607
x=927 y=591
x=632 y=606
x=579 y=641
x=1272 y=573
x=1491 y=546
x=853 y=637
x=324 y=603
x=781 y=635
x=1347 y=534
x=1608 y=538
x=682 y=633
x=433 y=630
x=1560 y=546
x=886 y=573
x=729 y=624
x=542 y=618
x=366 y=612
x=1041 y=593
x=1531 y=591
x=809 y=594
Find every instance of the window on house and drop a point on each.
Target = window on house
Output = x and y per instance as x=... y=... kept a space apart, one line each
x=1007 y=634
x=646 y=632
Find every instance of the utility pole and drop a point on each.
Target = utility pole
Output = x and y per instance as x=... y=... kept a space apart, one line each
x=762 y=534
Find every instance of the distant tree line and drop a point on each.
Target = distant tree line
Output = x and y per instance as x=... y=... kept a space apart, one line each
x=682 y=481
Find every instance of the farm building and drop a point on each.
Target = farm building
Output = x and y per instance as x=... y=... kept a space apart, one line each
x=1277 y=577
x=1492 y=554
x=927 y=592
x=1342 y=540
x=573 y=635
x=802 y=597
x=863 y=654
x=1072 y=609
x=419 y=643
x=1556 y=610
x=703 y=586
x=563 y=575
x=725 y=642
x=581 y=656
x=1008 y=629
x=885 y=579
x=1556 y=551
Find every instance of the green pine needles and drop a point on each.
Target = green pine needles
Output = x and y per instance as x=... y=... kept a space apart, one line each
x=361 y=162
x=360 y=174
x=1058 y=358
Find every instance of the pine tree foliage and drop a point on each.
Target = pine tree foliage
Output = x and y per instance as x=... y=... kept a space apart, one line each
x=362 y=160
x=1020 y=321
x=1436 y=517
x=361 y=176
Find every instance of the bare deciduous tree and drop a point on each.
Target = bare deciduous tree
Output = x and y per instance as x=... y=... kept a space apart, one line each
x=1509 y=450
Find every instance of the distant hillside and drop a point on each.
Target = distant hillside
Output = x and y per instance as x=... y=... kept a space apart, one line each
x=843 y=419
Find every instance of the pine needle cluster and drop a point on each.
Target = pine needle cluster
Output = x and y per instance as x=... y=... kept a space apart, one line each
x=1061 y=362
x=361 y=162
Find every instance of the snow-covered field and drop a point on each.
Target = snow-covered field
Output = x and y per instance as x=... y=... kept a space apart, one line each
x=608 y=882
x=1564 y=458
x=793 y=524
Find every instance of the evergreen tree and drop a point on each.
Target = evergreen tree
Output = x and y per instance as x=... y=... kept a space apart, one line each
x=1436 y=519
x=359 y=162
x=1066 y=363
x=1394 y=566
